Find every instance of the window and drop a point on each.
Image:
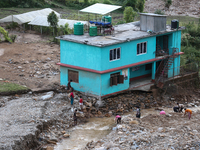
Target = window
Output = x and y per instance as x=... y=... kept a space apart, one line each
x=73 y=75
x=115 y=54
x=141 y=48
x=148 y=66
x=116 y=78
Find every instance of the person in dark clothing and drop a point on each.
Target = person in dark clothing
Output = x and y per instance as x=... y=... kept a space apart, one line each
x=176 y=109
x=138 y=112
x=75 y=118
x=69 y=85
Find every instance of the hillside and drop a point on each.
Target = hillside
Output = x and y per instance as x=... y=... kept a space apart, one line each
x=178 y=7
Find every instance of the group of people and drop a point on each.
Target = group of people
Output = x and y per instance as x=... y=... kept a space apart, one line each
x=180 y=107
x=118 y=118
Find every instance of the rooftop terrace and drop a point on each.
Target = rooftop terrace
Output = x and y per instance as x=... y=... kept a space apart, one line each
x=122 y=33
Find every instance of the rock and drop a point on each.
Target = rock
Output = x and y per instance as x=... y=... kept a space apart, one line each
x=120 y=132
x=172 y=99
x=100 y=148
x=115 y=148
x=88 y=104
x=63 y=132
x=19 y=67
x=66 y=135
x=133 y=122
x=49 y=148
x=1 y=79
x=48 y=96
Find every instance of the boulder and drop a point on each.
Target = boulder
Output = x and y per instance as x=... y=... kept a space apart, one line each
x=48 y=96
x=66 y=135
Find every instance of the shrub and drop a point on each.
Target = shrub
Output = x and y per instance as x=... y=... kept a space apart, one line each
x=5 y=33
x=129 y=14
x=106 y=2
x=159 y=11
x=140 y=5
x=168 y=3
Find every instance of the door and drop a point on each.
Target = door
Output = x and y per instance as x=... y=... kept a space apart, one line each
x=165 y=43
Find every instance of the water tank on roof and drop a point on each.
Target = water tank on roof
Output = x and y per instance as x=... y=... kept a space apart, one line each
x=78 y=28
x=174 y=24
x=107 y=19
x=93 y=31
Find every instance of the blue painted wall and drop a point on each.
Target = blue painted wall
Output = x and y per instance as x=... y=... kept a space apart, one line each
x=128 y=53
x=105 y=84
x=175 y=42
x=81 y=55
x=139 y=72
x=88 y=82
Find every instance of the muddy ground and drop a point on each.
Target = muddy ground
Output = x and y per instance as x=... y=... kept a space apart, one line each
x=30 y=61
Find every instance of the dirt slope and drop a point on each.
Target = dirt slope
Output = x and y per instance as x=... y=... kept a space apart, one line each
x=178 y=7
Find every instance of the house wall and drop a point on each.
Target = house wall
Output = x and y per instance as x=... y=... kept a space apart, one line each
x=128 y=53
x=140 y=72
x=175 y=42
x=81 y=55
x=88 y=82
x=105 y=84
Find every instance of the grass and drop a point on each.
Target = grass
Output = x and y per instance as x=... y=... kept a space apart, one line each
x=10 y=87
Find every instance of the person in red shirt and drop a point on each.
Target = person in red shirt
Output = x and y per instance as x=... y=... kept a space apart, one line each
x=72 y=97
x=81 y=103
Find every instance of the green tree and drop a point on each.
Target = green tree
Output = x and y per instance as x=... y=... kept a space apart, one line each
x=132 y=3
x=140 y=5
x=129 y=14
x=5 y=34
x=53 y=20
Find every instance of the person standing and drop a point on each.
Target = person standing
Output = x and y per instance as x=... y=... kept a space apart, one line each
x=69 y=85
x=81 y=103
x=189 y=112
x=72 y=97
x=75 y=117
x=138 y=112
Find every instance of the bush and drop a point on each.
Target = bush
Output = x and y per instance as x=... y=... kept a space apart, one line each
x=168 y=3
x=160 y=12
x=13 y=37
x=129 y=14
x=5 y=33
x=12 y=25
x=140 y=5
x=106 y=2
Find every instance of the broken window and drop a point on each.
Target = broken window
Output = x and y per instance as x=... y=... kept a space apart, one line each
x=73 y=75
x=115 y=54
x=116 y=78
x=141 y=48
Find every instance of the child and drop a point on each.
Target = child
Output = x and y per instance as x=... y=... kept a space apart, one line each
x=118 y=119
x=72 y=97
x=81 y=103
x=189 y=112
x=138 y=112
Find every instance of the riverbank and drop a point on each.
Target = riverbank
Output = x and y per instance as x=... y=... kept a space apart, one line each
x=42 y=120
x=172 y=131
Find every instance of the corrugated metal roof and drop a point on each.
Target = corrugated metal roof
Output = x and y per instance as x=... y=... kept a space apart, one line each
x=101 y=9
x=29 y=16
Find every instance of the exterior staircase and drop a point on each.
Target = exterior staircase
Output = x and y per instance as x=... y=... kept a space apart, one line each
x=162 y=71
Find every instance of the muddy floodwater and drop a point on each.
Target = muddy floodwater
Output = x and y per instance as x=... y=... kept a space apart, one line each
x=98 y=128
x=95 y=129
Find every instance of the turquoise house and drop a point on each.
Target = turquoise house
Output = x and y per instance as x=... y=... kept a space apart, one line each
x=137 y=51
